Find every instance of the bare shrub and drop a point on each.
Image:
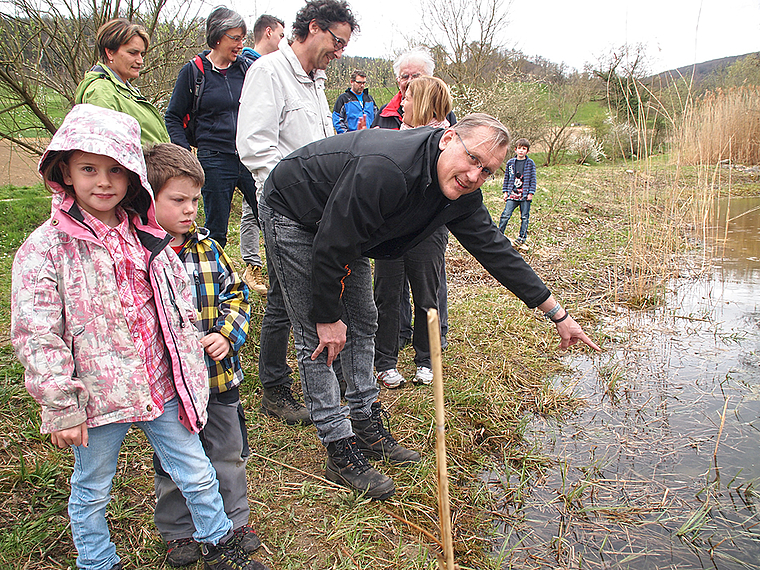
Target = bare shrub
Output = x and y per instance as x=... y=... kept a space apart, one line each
x=723 y=124
x=517 y=105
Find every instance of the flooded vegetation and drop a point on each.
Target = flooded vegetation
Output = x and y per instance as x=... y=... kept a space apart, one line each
x=661 y=468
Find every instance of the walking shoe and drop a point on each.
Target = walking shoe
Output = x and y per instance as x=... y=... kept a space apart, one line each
x=376 y=442
x=254 y=279
x=348 y=467
x=182 y=552
x=247 y=539
x=424 y=376
x=279 y=402
x=391 y=379
x=228 y=556
x=116 y=566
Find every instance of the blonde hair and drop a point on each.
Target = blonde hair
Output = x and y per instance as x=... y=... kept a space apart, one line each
x=431 y=99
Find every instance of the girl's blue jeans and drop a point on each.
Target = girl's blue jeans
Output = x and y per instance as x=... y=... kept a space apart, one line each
x=181 y=455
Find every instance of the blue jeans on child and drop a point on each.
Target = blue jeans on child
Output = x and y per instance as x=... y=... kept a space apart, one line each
x=181 y=454
x=510 y=207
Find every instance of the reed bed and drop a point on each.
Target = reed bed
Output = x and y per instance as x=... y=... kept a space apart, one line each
x=721 y=125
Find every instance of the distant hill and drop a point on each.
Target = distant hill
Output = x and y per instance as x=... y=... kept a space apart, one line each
x=701 y=70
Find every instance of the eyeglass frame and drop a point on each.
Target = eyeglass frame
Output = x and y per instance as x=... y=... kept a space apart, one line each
x=339 y=43
x=479 y=163
x=408 y=77
x=236 y=39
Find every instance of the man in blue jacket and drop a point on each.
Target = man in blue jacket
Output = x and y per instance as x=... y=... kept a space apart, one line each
x=355 y=109
x=330 y=206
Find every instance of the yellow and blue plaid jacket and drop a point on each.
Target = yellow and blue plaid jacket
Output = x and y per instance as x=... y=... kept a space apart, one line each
x=221 y=299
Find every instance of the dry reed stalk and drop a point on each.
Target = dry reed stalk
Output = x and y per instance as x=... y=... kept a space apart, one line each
x=444 y=514
x=720 y=430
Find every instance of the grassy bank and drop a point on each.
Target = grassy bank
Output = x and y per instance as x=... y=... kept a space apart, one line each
x=599 y=236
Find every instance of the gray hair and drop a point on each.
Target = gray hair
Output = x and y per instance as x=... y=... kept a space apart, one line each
x=417 y=55
x=499 y=133
x=221 y=20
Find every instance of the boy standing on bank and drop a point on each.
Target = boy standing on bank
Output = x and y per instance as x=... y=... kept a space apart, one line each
x=221 y=300
x=519 y=187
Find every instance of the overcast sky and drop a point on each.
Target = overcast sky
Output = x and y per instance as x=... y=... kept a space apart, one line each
x=675 y=32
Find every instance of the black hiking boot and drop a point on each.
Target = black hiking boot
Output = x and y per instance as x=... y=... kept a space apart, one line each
x=279 y=402
x=376 y=442
x=228 y=555
x=348 y=467
x=247 y=539
x=182 y=552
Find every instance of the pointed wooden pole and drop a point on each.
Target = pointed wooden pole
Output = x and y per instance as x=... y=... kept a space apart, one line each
x=444 y=513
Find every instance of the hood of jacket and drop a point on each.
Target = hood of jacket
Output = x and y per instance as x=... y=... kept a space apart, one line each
x=98 y=130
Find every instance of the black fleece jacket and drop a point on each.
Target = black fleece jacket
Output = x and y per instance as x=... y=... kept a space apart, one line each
x=217 y=108
x=375 y=193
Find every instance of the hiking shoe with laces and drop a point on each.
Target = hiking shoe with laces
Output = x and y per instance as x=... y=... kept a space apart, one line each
x=254 y=279
x=376 y=442
x=228 y=556
x=279 y=402
x=391 y=379
x=424 y=376
x=348 y=467
x=182 y=552
x=247 y=539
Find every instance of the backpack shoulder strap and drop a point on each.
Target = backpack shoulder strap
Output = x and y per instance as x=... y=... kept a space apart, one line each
x=199 y=78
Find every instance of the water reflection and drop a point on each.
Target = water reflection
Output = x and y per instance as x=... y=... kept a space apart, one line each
x=638 y=482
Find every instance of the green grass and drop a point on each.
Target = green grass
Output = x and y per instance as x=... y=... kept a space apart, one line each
x=498 y=371
x=21 y=122
x=588 y=112
x=21 y=211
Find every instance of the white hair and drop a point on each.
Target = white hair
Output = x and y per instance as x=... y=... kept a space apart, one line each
x=418 y=55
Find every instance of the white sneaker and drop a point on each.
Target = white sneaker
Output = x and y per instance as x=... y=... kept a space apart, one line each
x=424 y=376
x=391 y=379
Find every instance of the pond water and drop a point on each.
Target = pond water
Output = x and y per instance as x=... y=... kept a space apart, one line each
x=637 y=482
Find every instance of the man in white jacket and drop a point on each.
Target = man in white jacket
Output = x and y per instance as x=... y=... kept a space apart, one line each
x=282 y=108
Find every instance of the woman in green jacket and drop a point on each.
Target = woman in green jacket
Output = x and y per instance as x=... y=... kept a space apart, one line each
x=122 y=46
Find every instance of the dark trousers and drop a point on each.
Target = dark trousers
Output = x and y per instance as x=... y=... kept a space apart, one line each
x=422 y=267
x=405 y=311
x=224 y=172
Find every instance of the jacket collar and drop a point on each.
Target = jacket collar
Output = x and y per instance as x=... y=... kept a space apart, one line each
x=392 y=109
x=303 y=77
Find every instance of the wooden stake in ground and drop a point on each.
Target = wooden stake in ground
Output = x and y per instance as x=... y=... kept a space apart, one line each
x=444 y=514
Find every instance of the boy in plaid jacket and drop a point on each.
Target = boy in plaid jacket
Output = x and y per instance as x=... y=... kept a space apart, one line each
x=221 y=299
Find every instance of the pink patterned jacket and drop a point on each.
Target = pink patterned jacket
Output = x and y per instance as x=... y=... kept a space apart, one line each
x=67 y=324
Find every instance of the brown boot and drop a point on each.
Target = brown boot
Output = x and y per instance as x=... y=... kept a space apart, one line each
x=254 y=279
x=278 y=402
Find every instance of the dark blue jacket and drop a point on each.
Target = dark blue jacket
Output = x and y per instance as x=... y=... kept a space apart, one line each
x=529 y=178
x=348 y=110
x=216 y=122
